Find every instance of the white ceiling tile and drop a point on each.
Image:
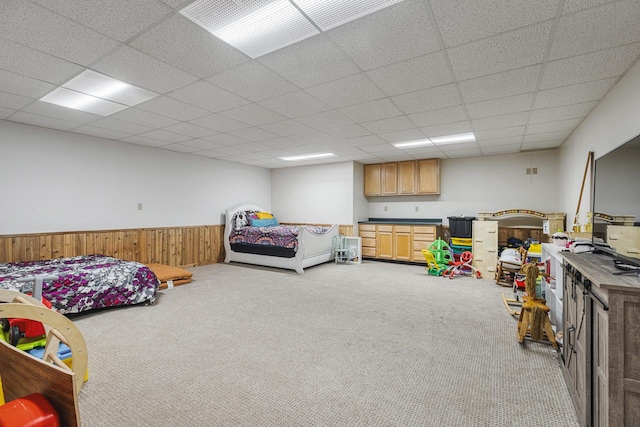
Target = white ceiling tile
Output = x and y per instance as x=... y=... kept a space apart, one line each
x=25 y=86
x=574 y=94
x=226 y=139
x=51 y=33
x=311 y=137
x=371 y=111
x=117 y=19
x=381 y=148
x=253 y=134
x=591 y=66
x=560 y=125
x=469 y=152
x=392 y=157
x=551 y=136
x=439 y=117
x=348 y=131
x=191 y=130
x=501 y=85
x=120 y=126
x=430 y=151
x=145 y=118
x=140 y=69
x=230 y=150
x=325 y=120
x=603 y=27
x=447 y=129
x=100 y=132
x=29 y=62
x=254 y=115
x=13 y=101
x=465 y=20
x=310 y=62
x=571 y=6
x=189 y=47
x=208 y=96
x=253 y=81
x=6 y=112
x=42 y=121
x=143 y=140
x=413 y=74
x=542 y=145
x=502 y=121
x=362 y=141
x=169 y=107
x=500 y=149
x=177 y=4
x=163 y=135
x=389 y=125
x=253 y=147
x=562 y=112
x=219 y=123
x=510 y=140
x=280 y=143
x=295 y=104
x=350 y=90
x=58 y=112
x=503 y=52
x=403 y=135
x=458 y=146
x=179 y=148
x=495 y=107
x=365 y=158
x=394 y=34
x=286 y=127
x=202 y=144
x=499 y=133
x=428 y=99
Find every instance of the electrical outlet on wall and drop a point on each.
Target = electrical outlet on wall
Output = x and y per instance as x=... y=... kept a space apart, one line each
x=417 y=208
x=385 y=209
x=139 y=206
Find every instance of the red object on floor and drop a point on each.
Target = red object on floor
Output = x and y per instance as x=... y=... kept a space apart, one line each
x=33 y=410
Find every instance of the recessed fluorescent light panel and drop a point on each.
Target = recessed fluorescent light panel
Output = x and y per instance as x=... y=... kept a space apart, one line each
x=328 y=14
x=454 y=139
x=307 y=157
x=411 y=144
x=258 y=27
x=99 y=94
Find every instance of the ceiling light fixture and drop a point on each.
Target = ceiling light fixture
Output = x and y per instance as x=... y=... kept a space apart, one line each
x=307 y=157
x=99 y=94
x=454 y=139
x=411 y=144
x=259 y=27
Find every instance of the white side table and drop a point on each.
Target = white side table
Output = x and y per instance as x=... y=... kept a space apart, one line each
x=349 y=250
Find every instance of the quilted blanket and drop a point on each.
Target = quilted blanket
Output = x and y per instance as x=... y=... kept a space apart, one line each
x=285 y=236
x=85 y=282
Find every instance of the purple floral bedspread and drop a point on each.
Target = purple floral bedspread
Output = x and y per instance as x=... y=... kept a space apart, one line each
x=85 y=282
x=285 y=236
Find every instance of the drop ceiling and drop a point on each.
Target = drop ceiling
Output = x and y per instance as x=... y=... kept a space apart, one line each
x=521 y=75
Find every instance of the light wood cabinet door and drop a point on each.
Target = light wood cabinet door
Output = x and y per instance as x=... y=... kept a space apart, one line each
x=402 y=243
x=384 y=242
x=407 y=177
x=389 y=179
x=372 y=180
x=428 y=178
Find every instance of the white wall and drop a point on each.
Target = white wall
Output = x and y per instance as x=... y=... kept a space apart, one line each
x=614 y=121
x=317 y=194
x=481 y=184
x=59 y=181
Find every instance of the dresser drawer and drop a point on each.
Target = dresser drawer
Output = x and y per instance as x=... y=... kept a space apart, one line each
x=424 y=237
x=418 y=256
x=424 y=229
x=369 y=252
x=367 y=227
x=385 y=228
x=368 y=243
x=368 y=234
x=420 y=245
x=402 y=229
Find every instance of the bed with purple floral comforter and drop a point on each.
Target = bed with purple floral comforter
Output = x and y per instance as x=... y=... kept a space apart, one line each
x=85 y=282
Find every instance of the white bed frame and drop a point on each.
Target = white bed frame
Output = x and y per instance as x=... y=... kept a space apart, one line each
x=313 y=249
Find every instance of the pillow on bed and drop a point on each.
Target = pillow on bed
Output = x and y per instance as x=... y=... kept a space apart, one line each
x=264 y=215
x=240 y=220
x=267 y=222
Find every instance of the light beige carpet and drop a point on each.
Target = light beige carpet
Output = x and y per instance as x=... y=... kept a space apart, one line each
x=376 y=344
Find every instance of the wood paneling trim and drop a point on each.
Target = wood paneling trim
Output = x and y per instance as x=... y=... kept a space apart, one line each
x=177 y=246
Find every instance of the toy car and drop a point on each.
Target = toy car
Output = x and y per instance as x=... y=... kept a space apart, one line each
x=24 y=328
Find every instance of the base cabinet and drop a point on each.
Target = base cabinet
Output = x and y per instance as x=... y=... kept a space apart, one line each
x=601 y=348
x=397 y=242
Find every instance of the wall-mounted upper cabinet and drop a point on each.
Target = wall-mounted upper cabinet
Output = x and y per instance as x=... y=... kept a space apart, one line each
x=402 y=178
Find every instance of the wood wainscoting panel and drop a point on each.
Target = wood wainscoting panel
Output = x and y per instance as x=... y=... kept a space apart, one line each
x=175 y=246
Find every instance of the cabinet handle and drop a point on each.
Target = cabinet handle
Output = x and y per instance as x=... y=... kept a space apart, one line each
x=633 y=251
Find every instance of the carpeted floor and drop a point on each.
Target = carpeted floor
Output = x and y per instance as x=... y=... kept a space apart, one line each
x=376 y=344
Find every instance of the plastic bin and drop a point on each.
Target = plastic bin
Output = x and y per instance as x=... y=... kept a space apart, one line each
x=461 y=226
x=462 y=241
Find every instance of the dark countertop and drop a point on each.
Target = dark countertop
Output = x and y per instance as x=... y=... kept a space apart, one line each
x=407 y=221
